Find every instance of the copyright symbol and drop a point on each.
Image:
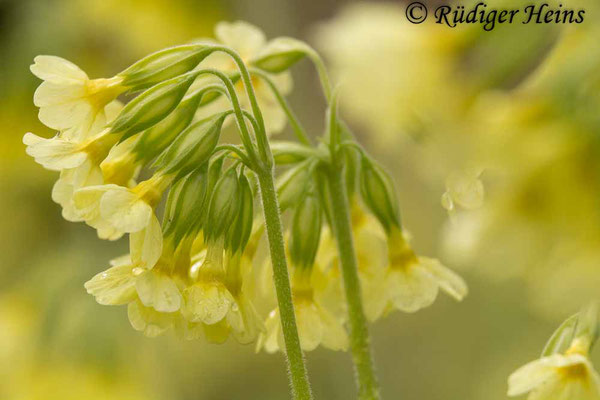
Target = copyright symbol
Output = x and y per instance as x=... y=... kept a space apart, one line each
x=416 y=12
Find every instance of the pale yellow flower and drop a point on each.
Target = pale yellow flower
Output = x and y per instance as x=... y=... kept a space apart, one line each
x=208 y=299
x=117 y=285
x=371 y=252
x=569 y=376
x=248 y=41
x=124 y=209
x=412 y=283
x=68 y=98
x=316 y=325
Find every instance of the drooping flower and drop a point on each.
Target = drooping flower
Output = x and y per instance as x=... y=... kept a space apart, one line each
x=412 y=282
x=568 y=376
x=68 y=98
x=316 y=325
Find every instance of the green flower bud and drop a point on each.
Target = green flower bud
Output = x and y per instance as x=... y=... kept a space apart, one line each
x=242 y=228
x=192 y=147
x=224 y=205
x=152 y=106
x=306 y=232
x=184 y=203
x=377 y=191
x=156 y=139
x=292 y=185
x=164 y=64
x=280 y=54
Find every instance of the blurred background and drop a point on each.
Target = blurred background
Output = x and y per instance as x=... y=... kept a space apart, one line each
x=503 y=124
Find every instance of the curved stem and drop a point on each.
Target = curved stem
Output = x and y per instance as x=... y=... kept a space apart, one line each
x=234 y=149
x=322 y=71
x=294 y=122
x=368 y=387
x=297 y=370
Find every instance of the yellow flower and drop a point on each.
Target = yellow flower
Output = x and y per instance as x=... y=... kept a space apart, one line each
x=568 y=376
x=68 y=98
x=371 y=252
x=316 y=325
x=412 y=283
x=208 y=300
x=124 y=209
x=117 y=285
x=248 y=41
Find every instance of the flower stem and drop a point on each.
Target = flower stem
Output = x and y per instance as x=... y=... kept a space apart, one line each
x=297 y=370
x=368 y=387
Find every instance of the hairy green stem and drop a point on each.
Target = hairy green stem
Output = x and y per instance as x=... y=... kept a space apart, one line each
x=368 y=387
x=297 y=370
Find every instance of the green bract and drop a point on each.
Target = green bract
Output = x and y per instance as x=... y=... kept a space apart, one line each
x=377 y=191
x=192 y=147
x=164 y=64
x=242 y=228
x=224 y=205
x=280 y=54
x=152 y=106
x=306 y=231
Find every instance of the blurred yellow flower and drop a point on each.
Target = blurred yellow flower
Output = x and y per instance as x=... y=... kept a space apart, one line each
x=558 y=377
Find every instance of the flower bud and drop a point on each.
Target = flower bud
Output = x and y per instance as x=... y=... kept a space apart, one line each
x=240 y=233
x=280 y=54
x=154 y=140
x=224 y=205
x=306 y=232
x=164 y=64
x=184 y=203
x=152 y=106
x=192 y=147
x=292 y=185
x=377 y=191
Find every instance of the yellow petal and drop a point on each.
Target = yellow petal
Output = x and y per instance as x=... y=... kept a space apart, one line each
x=147 y=320
x=245 y=38
x=310 y=328
x=411 y=289
x=54 y=154
x=158 y=291
x=449 y=281
x=125 y=210
x=56 y=69
x=114 y=286
x=207 y=302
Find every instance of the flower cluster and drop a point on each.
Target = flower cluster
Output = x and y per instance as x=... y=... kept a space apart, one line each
x=190 y=266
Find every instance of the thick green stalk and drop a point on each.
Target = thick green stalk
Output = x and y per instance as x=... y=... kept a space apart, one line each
x=297 y=370
x=368 y=387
